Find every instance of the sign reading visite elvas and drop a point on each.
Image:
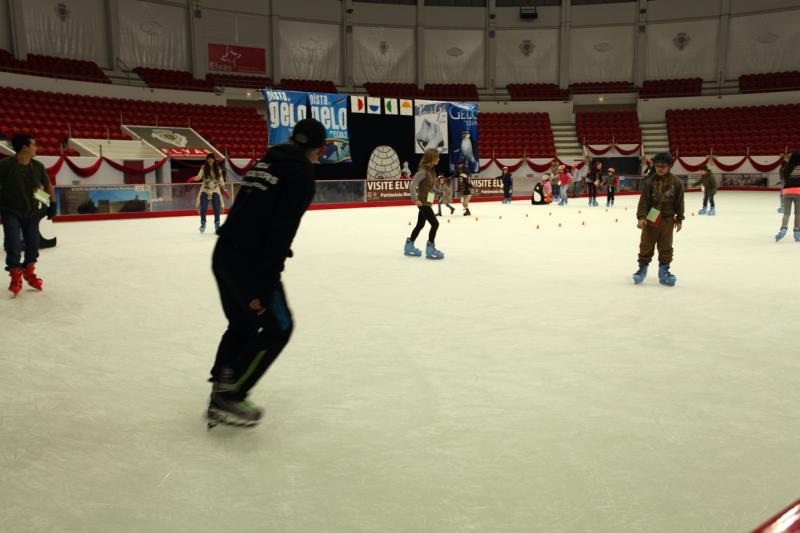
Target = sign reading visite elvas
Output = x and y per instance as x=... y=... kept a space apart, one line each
x=388 y=189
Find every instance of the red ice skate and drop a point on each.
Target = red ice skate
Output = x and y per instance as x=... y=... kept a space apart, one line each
x=31 y=278
x=16 y=281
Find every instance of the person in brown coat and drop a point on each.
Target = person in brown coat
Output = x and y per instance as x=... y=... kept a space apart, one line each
x=660 y=212
x=423 y=194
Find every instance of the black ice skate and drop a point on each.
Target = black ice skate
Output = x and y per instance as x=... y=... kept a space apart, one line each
x=225 y=408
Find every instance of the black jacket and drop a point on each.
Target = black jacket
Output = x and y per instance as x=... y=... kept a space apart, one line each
x=507 y=180
x=790 y=172
x=266 y=214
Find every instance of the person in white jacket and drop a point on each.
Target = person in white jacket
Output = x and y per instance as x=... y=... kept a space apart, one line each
x=212 y=188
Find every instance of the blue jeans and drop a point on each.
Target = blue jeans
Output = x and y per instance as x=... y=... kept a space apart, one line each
x=16 y=229
x=204 y=207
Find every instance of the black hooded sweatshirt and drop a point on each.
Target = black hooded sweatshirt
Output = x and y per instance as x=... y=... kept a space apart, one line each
x=264 y=218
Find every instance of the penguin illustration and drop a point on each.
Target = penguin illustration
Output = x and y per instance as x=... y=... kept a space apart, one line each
x=467 y=149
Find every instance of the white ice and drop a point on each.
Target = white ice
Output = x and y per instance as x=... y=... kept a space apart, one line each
x=523 y=384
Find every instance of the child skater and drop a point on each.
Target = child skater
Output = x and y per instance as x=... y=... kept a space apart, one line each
x=444 y=194
x=563 y=180
x=708 y=183
x=611 y=186
x=791 y=196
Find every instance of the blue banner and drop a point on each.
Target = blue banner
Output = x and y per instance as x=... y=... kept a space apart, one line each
x=462 y=126
x=284 y=110
x=331 y=111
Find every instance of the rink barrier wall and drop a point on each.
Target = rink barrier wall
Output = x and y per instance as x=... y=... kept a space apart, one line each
x=345 y=205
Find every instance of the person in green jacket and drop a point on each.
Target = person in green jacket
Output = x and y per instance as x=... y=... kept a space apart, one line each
x=708 y=183
x=24 y=187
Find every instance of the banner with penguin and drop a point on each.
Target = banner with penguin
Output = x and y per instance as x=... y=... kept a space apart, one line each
x=287 y=108
x=462 y=127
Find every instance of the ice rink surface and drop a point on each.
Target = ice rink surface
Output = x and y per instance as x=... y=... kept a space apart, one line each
x=523 y=384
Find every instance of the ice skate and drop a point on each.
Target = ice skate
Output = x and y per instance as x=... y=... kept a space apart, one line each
x=780 y=210
x=410 y=250
x=16 y=281
x=202 y=228
x=452 y=210
x=702 y=211
x=712 y=212
x=467 y=213
x=781 y=234
x=797 y=234
x=640 y=274
x=216 y=227
x=31 y=278
x=665 y=277
x=224 y=408
x=432 y=253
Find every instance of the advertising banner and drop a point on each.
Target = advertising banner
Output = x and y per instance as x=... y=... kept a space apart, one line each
x=430 y=126
x=178 y=143
x=462 y=126
x=230 y=58
x=105 y=200
x=486 y=187
x=284 y=110
x=331 y=111
x=382 y=190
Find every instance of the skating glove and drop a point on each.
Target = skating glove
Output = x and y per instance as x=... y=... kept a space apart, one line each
x=51 y=211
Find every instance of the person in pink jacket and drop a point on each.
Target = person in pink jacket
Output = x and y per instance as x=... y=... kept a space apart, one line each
x=563 y=180
x=548 y=190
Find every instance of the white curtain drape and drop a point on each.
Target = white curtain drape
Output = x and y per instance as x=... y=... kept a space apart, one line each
x=383 y=54
x=601 y=54
x=76 y=29
x=682 y=50
x=310 y=51
x=5 y=26
x=154 y=35
x=526 y=56
x=454 y=56
x=763 y=43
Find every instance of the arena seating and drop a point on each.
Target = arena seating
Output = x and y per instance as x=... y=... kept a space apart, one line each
x=772 y=81
x=314 y=86
x=53 y=67
x=50 y=116
x=450 y=91
x=172 y=79
x=536 y=91
x=732 y=131
x=676 y=87
x=510 y=135
x=603 y=87
x=245 y=82
x=392 y=90
x=620 y=127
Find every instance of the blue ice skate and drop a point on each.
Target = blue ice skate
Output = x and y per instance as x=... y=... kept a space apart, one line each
x=702 y=211
x=202 y=228
x=432 y=253
x=780 y=210
x=797 y=234
x=411 y=250
x=781 y=234
x=640 y=274
x=665 y=277
x=712 y=211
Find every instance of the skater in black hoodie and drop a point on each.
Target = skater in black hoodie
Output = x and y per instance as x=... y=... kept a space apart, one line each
x=253 y=245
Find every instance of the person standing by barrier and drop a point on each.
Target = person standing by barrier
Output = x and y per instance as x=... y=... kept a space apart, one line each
x=247 y=263
x=659 y=213
x=24 y=187
x=422 y=194
x=507 y=185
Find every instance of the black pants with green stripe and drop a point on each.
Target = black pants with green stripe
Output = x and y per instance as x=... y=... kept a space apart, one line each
x=252 y=342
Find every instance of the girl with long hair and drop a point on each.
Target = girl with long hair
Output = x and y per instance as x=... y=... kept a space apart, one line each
x=422 y=194
x=212 y=188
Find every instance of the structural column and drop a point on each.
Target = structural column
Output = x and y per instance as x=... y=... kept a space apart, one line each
x=564 y=45
x=16 y=10
x=640 y=51
x=112 y=22
x=420 y=31
x=722 y=41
